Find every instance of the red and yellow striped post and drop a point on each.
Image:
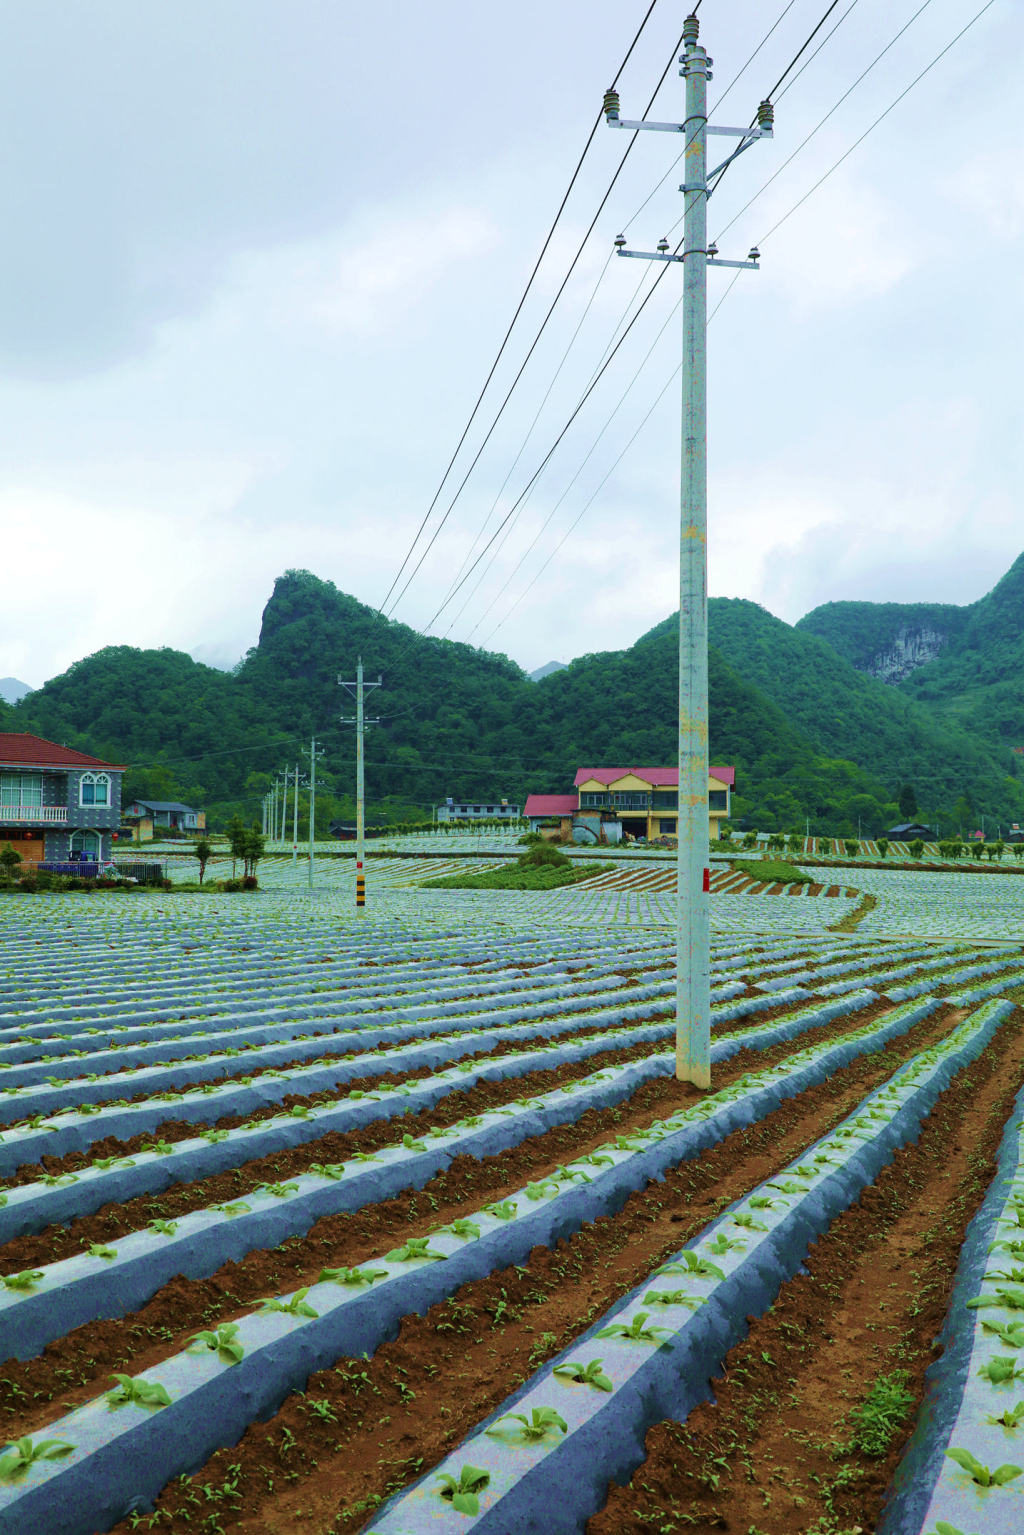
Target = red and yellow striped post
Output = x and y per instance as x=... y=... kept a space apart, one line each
x=360 y=884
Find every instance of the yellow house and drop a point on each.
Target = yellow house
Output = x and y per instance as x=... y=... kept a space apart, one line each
x=646 y=800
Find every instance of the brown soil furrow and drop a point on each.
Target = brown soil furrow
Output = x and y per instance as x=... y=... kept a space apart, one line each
x=74 y=1368
x=776 y=1452
x=118 y=1218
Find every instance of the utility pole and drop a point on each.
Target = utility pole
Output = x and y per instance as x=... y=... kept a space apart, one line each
x=693 y=875
x=357 y=689
x=314 y=757
x=295 y=820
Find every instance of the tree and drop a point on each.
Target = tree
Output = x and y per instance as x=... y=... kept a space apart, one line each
x=237 y=837
x=253 y=849
x=202 y=853
x=10 y=858
x=908 y=802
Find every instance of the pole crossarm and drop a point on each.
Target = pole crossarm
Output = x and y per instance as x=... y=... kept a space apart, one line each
x=751 y=266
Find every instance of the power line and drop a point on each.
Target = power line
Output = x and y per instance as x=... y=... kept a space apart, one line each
x=518 y=310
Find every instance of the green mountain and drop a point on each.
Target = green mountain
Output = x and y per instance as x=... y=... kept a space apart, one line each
x=809 y=735
x=966 y=663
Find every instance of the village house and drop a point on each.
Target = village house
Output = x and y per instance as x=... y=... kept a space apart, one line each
x=637 y=802
x=146 y=816
x=57 y=805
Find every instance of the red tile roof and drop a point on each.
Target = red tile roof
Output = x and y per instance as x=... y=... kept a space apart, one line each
x=551 y=804
x=660 y=777
x=18 y=749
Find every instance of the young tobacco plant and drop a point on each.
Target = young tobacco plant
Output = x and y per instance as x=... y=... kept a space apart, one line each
x=1010 y=1334
x=350 y=1276
x=415 y=1247
x=540 y=1423
x=222 y=1342
x=22 y=1454
x=466 y=1229
x=297 y=1306
x=589 y=1374
x=692 y=1263
x=1001 y=1370
x=146 y=1393
x=1012 y=1418
x=26 y=1280
x=635 y=1330
x=980 y=1473
x=165 y=1228
x=464 y=1493
x=502 y=1209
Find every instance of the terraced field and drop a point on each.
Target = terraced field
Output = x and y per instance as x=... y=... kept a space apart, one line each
x=404 y=1223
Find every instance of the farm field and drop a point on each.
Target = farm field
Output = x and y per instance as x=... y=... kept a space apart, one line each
x=401 y=1222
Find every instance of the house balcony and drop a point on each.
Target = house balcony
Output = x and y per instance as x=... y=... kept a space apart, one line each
x=33 y=815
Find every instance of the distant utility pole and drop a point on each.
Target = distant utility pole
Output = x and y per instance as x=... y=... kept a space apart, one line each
x=693 y=960
x=314 y=757
x=295 y=820
x=357 y=689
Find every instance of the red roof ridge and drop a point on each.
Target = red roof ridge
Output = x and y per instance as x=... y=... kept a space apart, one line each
x=20 y=749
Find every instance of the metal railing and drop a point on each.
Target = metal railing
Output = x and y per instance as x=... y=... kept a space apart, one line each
x=41 y=815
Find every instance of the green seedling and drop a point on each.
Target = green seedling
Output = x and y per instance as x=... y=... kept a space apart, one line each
x=333 y=1170
x=297 y=1306
x=635 y=1330
x=463 y=1494
x=543 y=1190
x=415 y=1247
x=569 y=1175
x=540 y=1422
x=222 y=1342
x=279 y=1190
x=26 y=1280
x=364 y=1156
x=1015 y=1249
x=1000 y=1370
x=1011 y=1300
x=86 y=1109
x=1010 y=1334
x=692 y=1263
x=411 y=1144
x=943 y=1527
x=146 y=1393
x=159 y=1148
x=463 y=1228
x=595 y=1159
x=58 y=1180
x=748 y=1222
x=239 y=1207
x=215 y=1136
x=789 y=1187
x=106 y=1162
x=502 y=1209
x=672 y=1298
x=165 y=1228
x=350 y=1276
x=1012 y=1275
x=723 y=1244
x=97 y=1250
x=762 y=1202
x=1013 y=1417
x=299 y=1112
x=980 y=1473
x=22 y=1454
x=586 y=1374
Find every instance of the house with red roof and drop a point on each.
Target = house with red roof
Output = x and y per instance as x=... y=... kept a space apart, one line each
x=57 y=805
x=638 y=802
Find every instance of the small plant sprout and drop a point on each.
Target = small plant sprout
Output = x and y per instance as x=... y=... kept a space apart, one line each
x=364 y=1156
x=546 y=1189
x=22 y=1454
x=1012 y=1418
x=980 y=1474
x=502 y=1209
x=747 y=1221
x=165 y=1228
x=1010 y=1334
x=350 y=1276
x=279 y=1190
x=672 y=1298
x=297 y=1306
x=239 y=1207
x=723 y=1244
x=462 y=1228
x=943 y=1527
x=411 y=1144
x=97 y=1250
x=542 y=1421
x=333 y=1170
x=463 y=1494
x=635 y=1331
x=692 y=1263
x=1006 y=1297
x=589 y=1374
x=415 y=1247
x=146 y=1393
x=1001 y=1370
x=222 y=1342
x=26 y=1280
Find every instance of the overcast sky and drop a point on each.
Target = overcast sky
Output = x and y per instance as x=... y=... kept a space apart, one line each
x=259 y=255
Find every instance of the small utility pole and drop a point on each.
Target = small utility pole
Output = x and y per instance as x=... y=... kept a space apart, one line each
x=693 y=876
x=357 y=689
x=295 y=820
x=314 y=757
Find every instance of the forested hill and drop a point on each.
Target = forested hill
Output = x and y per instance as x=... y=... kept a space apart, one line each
x=790 y=714
x=966 y=663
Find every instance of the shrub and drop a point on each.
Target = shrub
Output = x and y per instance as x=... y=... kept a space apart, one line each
x=249 y=882
x=231 y=885
x=1018 y=850
x=917 y=848
x=852 y=849
x=883 y=846
x=750 y=840
x=29 y=882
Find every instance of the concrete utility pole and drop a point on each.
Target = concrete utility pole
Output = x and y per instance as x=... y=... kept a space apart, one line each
x=357 y=689
x=314 y=757
x=295 y=820
x=693 y=960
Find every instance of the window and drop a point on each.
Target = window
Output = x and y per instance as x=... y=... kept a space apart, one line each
x=21 y=789
x=667 y=827
x=94 y=789
x=718 y=799
x=85 y=844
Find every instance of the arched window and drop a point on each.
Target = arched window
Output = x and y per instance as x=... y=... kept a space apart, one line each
x=94 y=789
x=86 y=844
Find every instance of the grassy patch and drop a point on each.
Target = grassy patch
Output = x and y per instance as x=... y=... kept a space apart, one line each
x=774 y=871
x=879 y=1418
x=518 y=876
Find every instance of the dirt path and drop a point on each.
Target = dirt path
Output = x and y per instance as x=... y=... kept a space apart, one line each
x=778 y=1451
x=403 y=1409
